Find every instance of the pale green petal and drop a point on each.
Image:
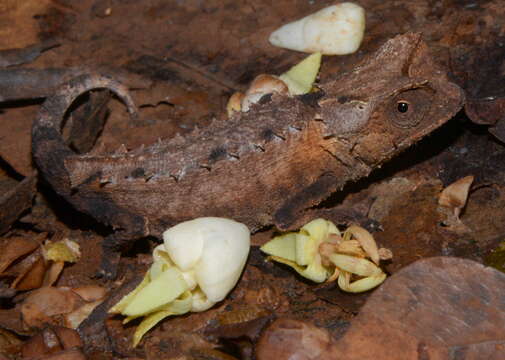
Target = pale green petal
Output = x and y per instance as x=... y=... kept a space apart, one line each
x=282 y=246
x=361 y=285
x=306 y=249
x=300 y=78
x=314 y=272
x=178 y=307
x=126 y=300
x=164 y=289
x=317 y=229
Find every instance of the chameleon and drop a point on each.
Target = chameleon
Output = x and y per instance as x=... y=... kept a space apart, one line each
x=267 y=166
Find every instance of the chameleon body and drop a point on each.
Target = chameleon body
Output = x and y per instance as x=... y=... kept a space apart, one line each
x=265 y=166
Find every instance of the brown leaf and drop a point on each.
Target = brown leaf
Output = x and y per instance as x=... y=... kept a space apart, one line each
x=50 y=341
x=52 y=274
x=14 y=248
x=291 y=339
x=69 y=338
x=9 y=343
x=15 y=201
x=33 y=278
x=76 y=317
x=72 y=354
x=45 y=304
x=90 y=292
x=45 y=342
x=455 y=195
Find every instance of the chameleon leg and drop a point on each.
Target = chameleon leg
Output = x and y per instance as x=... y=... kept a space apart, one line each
x=112 y=247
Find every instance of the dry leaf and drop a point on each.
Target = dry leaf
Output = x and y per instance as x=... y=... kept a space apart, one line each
x=44 y=305
x=90 y=292
x=32 y=278
x=14 y=248
x=455 y=195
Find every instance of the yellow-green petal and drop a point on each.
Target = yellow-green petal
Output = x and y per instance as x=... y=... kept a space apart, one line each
x=168 y=286
x=126 y=300
x=300 y=78
x=354 y=265
x=306 y=249
x=315 y=271
x=178 y=307
x=282 y=246
x=362 y=285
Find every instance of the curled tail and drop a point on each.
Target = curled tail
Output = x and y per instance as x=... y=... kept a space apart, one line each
x=48 y=146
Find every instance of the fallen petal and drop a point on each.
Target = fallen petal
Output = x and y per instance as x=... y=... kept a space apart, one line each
x=361 y=267
x=283 y=246
x=161 y=291
x=366 y=241
x=127 y=299
x=362 y=285
x=177 y=307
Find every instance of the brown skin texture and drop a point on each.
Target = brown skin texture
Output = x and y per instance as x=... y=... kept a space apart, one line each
x=266 y=166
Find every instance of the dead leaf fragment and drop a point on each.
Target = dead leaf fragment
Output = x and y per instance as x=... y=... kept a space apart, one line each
x=455 y=195
x=90 y=292
x=44 y=305
x=289 y=339
x=76 y=317
x=33 y=278
x=51 y=340
x=14 y=248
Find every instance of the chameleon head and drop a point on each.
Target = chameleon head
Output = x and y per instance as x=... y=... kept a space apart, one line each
x=390 y=101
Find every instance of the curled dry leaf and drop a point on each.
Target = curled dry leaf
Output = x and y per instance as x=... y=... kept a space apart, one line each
x=455 y=195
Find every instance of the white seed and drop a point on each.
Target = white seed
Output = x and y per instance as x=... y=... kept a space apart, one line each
x=334 y=30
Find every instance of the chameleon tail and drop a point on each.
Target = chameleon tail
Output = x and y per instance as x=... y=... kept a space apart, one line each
x=48 y=147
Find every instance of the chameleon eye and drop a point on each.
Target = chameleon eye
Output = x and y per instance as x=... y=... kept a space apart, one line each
x=403 y=106
x=409 y=108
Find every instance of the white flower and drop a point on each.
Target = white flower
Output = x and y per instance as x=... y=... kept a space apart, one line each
x=198 y=264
